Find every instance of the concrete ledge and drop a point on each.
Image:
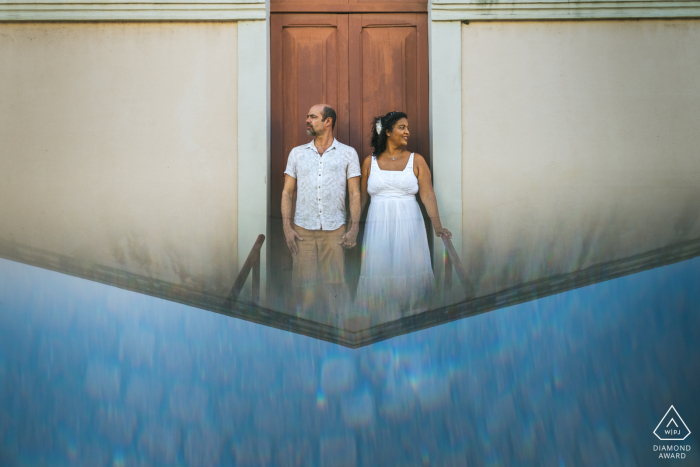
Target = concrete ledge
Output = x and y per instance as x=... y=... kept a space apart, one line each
x=534 y=290
x=557 y=10
x=512 y=296
x=137 y=11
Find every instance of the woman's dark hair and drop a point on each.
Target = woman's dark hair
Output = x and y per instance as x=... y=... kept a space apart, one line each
x=388 y=121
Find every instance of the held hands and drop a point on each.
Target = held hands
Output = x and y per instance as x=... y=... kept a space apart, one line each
x=349 y=238
x=291 y=235
x=441 y=231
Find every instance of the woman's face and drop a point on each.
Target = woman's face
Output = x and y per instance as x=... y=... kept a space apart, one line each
x=399 y=134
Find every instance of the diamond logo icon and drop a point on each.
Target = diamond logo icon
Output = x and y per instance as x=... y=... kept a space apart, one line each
x=671 y=427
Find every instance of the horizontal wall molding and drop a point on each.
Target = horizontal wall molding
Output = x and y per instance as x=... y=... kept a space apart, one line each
x=560 y=10
x=233 y=10
x=174 y=10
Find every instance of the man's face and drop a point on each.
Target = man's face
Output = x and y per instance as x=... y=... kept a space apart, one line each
x=314 y=121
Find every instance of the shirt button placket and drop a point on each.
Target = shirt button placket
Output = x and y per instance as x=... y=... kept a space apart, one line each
x=320 y=169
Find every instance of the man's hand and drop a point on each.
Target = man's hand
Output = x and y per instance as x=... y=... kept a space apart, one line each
x=291 y=235
x=349 y=238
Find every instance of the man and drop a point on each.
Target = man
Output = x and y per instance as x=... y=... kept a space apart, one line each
x=320 y=171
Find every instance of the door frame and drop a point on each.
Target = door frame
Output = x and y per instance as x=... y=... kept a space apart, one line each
x=357 y=15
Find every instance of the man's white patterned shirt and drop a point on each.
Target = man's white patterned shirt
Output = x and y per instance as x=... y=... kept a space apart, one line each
x=321 y=183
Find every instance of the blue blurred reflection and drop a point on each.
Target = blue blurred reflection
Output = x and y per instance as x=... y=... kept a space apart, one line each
x=96 y=376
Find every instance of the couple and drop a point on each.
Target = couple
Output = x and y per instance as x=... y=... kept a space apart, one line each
x=396 y=277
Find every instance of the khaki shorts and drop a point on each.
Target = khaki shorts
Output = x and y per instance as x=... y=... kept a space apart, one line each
x=321 y=258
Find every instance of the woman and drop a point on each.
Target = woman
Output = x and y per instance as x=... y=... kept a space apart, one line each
x=396 y=278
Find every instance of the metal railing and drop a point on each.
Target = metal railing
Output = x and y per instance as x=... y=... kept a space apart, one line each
x=252 y=262
x=452 y=260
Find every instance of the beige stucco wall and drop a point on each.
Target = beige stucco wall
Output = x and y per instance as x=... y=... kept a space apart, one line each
x=118 y=149
x=581 y=144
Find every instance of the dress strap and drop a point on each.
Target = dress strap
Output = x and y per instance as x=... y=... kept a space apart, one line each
x=409 y=164
x=374 y=162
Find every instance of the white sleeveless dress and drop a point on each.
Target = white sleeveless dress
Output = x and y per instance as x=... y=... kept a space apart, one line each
x=396 y=278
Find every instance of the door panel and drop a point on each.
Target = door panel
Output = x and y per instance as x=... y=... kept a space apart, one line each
x=391 y=53
x=389 y=71
x=308 y=66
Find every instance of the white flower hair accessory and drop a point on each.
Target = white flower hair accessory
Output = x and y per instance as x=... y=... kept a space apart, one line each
x=379 y=126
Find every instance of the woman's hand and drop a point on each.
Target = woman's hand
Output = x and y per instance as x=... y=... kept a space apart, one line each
x=349 y=238
x=441 y=231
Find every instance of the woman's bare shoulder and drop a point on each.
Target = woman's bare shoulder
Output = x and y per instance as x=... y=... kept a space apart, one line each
x=367 y=162
x=420 y=163
x=418 y=159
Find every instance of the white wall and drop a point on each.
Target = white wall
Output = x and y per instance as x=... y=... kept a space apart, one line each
x=253 y=141
x=119 y=149
x=580 y=144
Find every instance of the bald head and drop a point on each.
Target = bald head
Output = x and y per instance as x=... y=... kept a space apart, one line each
x=321 y=118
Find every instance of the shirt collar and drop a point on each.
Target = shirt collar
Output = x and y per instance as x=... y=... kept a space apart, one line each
x=312 y=146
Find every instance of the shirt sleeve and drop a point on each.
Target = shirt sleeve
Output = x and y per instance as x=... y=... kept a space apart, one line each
x=354 y=165
x=291 y=169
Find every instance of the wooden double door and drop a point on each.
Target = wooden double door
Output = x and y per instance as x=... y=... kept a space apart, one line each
x=362 y=64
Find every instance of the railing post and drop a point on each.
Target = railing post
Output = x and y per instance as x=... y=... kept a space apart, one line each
x=256 y=279
x=453 y=260
x=448 y=272
x=252 y=263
